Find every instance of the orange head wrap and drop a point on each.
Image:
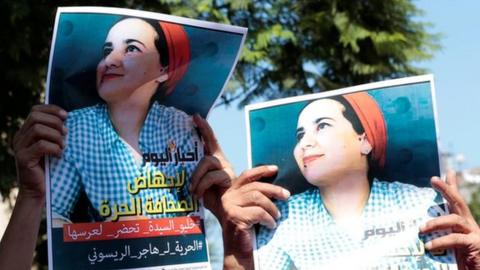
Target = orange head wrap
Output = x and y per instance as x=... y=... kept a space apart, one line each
x=178 y=53
x=371 y=118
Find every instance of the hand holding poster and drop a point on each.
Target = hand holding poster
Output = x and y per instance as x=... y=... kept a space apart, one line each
x=358 y=163
x=118 y=195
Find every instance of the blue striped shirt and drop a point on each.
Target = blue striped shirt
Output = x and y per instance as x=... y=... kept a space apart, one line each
x=96 y=160
x=384 y=237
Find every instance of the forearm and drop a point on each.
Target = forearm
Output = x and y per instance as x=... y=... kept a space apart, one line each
x=18 y=243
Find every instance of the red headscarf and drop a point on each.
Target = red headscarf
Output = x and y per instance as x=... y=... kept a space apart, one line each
x=371 y=118
x=178 y=53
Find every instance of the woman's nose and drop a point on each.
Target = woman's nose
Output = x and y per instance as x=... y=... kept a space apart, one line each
x=308 y=140
x=113 y=59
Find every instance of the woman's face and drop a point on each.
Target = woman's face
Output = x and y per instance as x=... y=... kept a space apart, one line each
x=130 y=61
x=328 y=148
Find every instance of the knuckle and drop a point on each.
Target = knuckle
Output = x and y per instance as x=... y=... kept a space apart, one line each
x=255 y=195
x=42 y=145
x=224 y=200
x=244 y=225
x=429 y=224
x=37 y=128
x=226 y=181
x=458 y=219
x=242 y=175
x=251 y=219
x=465 y=239
x=229 y=213
x=57 y=149
x=33 y=117
x=278 y=191
x=212 y=161
x=264 y=216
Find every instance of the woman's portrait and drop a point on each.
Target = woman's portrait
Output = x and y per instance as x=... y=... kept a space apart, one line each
x=109 y=145
x=350 y=216
x=132 y=82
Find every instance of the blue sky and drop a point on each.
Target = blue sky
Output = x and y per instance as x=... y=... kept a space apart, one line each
x=455 y=68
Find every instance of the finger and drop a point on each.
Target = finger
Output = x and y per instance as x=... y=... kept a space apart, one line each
x=40 y=132
x=257 y=215
x=452 y=179
x=38 y=116
x=206 y=164
x=47 y=119
x=257 y=198
x=43 y=147
x=255 y=174
x=453 y=240
x=209 y=139
x=269 y=190
x=213 y=178
x=452 y=221
x=50 y=109
x=29 y=157
x=456 y=203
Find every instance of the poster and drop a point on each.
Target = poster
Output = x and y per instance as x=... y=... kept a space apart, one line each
x=131 y=80
x=358 y=163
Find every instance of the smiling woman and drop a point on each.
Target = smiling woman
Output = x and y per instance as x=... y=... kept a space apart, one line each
x=105 y=144
x=349 y=212
x=130 y=64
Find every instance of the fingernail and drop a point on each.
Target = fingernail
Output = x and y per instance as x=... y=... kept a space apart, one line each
x=422 y=227
x=286 y=193
x=272 y=167
x=63 y=113
x=428 y=245
x=279 y=215
x=64 y=129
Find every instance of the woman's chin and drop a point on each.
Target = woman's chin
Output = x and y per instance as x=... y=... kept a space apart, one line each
x=315 y=179
x=107 y=94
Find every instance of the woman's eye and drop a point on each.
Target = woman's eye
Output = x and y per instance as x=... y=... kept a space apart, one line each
x=322 y=125
x=106 y=52
x=300 y=136
x=132 y=48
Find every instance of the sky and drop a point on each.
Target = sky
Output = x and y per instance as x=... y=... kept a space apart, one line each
x=454 y=67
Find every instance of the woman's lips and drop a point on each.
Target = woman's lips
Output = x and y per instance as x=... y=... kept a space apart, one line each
x=311 y=158
x=110 y=76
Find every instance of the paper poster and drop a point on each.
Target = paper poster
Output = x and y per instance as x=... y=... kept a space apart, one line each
x=358 y=163
x=130 y=80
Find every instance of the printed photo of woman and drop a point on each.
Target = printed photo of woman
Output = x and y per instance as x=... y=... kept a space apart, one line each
x=349 y=213
x=343 y=180
x=132 y=87
x=107 y=143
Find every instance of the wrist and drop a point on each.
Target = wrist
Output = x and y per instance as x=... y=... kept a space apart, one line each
x=237 y=241
x=28 y=196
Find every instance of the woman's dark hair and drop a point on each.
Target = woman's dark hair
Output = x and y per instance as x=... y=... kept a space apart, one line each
x=160 y=42
x=350 y=114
